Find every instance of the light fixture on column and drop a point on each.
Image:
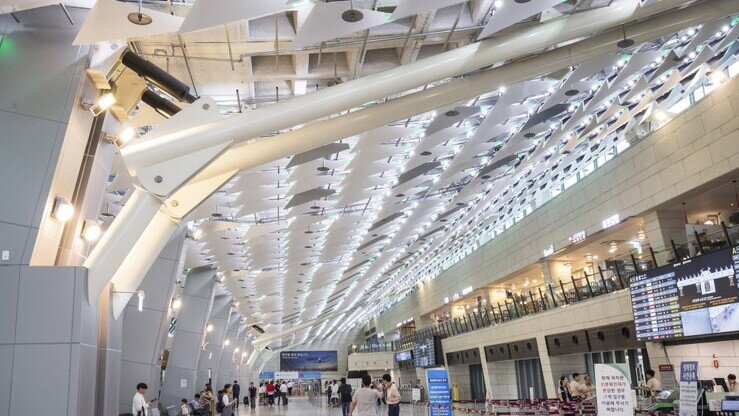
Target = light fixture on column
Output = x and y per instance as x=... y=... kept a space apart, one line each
x=236 y=350
x=62 y=209
x=140 y=295
x=123 y=136
x=176 y=304
x=103 y=103
x=90 y=231
x=227 y=342
x=209 y=328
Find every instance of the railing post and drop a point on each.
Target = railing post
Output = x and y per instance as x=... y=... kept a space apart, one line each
x=698 y=240
x=602 y=278
x=533 y=302
x=654 y=258
x=674 y=251
x=726 y=234
x=543 y=299
x=564 y=292
x=574 y=285
x=590 y=288
x=633 y=262
x=508 y=309
x=618 y=274
x=500 y=309
x=551 y=292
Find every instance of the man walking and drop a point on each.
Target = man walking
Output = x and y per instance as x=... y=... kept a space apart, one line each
x=252 y=396
x=237 y=391
x=393 y=396
x=345 y=395
x=365 y=399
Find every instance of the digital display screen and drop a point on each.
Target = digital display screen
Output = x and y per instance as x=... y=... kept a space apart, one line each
x=424 y=353
x=698 y=296
x=404 y=356
x=309 y=361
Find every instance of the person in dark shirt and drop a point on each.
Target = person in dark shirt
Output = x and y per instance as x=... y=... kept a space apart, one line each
x=237 y=391
x=564 y=389
x=252 y=396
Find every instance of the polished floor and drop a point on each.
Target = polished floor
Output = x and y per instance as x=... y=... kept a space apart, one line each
x=302 y=406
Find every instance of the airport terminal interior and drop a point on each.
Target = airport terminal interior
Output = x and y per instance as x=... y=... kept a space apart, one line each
x=369 y=207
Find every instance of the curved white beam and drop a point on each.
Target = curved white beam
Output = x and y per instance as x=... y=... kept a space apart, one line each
x=161 y=154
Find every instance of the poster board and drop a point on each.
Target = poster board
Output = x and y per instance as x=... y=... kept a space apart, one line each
x=689 y=388
x=440 y=399
x=613 y=386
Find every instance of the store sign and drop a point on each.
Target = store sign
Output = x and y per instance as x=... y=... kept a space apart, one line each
x=577 y=237
x=267 y=375
x=689 y=388
x=286 y=375
x=613 y=386
x=611 y=221
x=440 y=400
x=548 y=251
x=309 y=375
x=446 y=300
x=467 y=290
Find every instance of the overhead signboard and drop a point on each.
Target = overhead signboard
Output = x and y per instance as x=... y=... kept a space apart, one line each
x=309 y=361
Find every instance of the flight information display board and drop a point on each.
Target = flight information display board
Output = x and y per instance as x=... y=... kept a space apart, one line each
x=404 y=356
x=424 y=353
x=696 y=297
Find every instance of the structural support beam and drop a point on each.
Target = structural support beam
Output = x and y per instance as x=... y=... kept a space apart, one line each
x=255 y=153
x=197 y=302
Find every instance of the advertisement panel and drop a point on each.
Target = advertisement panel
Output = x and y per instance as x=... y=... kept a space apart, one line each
x=440 y=399
x=613 y=386
x=689 y=388
x=309 y=361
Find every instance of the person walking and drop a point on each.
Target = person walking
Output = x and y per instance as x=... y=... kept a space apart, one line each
x=270 y=393
x=283 y=392
x=290 y=385
x=345 y=395
x=393 y=396
x=237 y=392
x=365 y=399
x=252 y=396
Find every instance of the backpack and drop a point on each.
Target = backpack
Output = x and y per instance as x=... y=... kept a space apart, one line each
x=219 y=406
x=346 y=393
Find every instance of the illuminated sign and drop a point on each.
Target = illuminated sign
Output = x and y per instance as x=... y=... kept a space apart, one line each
x=578 y=236
x=611 y=221
x=467 y=290
x=548 y=251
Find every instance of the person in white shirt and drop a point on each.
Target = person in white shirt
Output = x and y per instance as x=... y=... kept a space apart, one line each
x=185 y=408
x=731 y=383
x=365 y=399
x=283 y=393
x=290 y=387
x=228 y=403
x=140 y=405
x=575 y=388
x=653 y=384
x=393 y=396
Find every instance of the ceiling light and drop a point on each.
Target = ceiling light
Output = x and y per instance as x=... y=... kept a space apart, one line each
x=176 y=304
x=141 y=295
x=498 y=4
x=227 y=342
x=209 y=328
x=62 y=209
x=90 y=230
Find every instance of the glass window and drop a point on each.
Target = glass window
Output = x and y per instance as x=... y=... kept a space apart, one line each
x=622 y=145
x=570 y=181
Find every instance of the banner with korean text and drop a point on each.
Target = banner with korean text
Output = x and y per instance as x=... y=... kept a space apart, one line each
x=613 y=387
